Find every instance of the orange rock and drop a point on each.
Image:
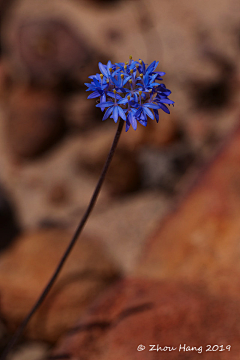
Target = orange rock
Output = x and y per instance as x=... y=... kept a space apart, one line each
x=140 y=312
x=200 y=240
x=27 y=266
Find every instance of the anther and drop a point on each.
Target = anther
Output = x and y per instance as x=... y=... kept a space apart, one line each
x=125 y=67
x=122 y=76
x=131 y=71
x=101 y=76
x=129 y=97
x=141 y=76
x=130 y=57
x=140 y=92
x=114 y=90
x=126 y=63
x=140 y=62
x=110 y=70
x=130 y=81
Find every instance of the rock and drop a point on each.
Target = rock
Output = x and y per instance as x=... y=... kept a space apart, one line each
x=199 y=241
x=27 y=266
x=58 y=194
x=30 y=351
x=156 y=135
x=140 y=312
x=48 y=48
x=162 y=168
x=34 y=121
x=123 y=175
x=80 y=112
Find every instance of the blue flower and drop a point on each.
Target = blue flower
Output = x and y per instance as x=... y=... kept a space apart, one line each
x=113 y=109
x=131 y=91
x=144 y=110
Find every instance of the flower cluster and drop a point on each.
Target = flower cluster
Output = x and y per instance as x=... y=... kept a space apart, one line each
x=130 y=91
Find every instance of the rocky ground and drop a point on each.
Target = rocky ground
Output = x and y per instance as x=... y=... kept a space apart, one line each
x=52 y=148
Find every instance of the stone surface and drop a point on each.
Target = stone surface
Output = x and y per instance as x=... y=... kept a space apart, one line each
x=49 y=48
x=80 y=113
x=123 y=175
x=137 y=312
x=34 y=121
x=199 y=241
x=27 y=266
x=29 y=351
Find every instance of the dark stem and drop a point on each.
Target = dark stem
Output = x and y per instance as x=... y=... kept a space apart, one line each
x=21 y=328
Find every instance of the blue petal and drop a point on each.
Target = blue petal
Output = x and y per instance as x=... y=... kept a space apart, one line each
x=114 y=81
x=103 y=98
x=161 y=73
x=148 y=112
x=115 y=114
x=96 y=82
x=143 y=122
x=93 y=95
x=105 y=104
x=109 y=65
x=123 y=101
x=111 y=94
x=151 y=106
x=133 y=121
x=164 y=108
x=102 y=69
x=156 y=115
x=126 y=80
x=121 y=113
x=127 y=125
x=108 y=113
x=167 y=101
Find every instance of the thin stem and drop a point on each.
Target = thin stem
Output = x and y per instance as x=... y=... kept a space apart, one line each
x=46 y=290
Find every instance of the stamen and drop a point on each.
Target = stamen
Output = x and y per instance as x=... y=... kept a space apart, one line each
x=130 y=57
x=122 y=76
x=101 y=76
x=140 y=92
x=129 y=97
x=126 y=63
x=140 y=62
x=110 y=70
x=125 y=67
x=141 y=76
x=115 y=91
x=130 y=81
x=131 y=71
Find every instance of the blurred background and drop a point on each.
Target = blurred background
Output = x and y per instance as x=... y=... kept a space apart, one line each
x=53 y=142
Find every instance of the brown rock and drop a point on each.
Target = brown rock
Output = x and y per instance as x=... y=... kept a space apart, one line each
x=123 y=175
x=27 y=266
x=140 y=312
x=199 y=241
x=154 y=135
x=34 y=121
x=80 y=112
x=30 y=351
x=49 y=48
x=58 y=194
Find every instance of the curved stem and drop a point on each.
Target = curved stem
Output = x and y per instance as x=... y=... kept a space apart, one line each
x=49 y=285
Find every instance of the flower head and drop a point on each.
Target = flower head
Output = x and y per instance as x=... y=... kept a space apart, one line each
x=130 y=91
